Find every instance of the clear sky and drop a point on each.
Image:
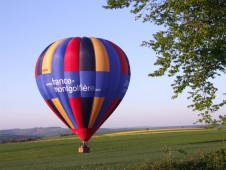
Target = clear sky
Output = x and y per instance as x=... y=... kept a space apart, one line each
x=28 y=26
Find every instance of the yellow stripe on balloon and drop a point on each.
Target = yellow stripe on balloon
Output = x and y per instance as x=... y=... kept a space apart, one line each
x=101 y=56
x=47 y=60
x=59 y=107
x=97 y=103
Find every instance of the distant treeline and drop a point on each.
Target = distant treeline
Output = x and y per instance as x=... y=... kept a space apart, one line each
x=16 y=140
x=67 y=134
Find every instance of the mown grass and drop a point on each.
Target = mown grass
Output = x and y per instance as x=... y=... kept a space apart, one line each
x=108 y=151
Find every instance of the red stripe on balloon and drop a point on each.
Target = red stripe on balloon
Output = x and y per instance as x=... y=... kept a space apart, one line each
x=75 y=104
x=71 y=57
x=36 y=66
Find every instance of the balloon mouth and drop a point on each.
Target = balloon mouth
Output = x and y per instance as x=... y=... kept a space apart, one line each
x=84 y=133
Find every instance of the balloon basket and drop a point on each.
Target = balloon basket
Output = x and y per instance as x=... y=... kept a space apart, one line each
x=84 y=148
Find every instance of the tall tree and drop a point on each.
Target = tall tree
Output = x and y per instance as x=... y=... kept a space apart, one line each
x=191 y=49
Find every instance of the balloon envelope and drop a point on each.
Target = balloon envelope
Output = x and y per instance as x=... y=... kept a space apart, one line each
x=82 y=80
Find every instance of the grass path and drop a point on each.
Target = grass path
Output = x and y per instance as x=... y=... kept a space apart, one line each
x=153 y=131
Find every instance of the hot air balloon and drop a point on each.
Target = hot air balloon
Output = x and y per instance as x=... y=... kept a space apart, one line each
x=83 y=80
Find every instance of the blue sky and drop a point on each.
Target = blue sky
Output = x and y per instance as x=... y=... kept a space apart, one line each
x=28 y=26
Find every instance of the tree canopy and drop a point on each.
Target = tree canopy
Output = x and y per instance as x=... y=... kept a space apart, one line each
x=191 y=48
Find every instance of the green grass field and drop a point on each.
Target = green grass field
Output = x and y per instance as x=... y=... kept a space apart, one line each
x=112 y=150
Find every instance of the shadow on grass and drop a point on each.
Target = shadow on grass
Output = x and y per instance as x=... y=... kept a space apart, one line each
x=210 y=141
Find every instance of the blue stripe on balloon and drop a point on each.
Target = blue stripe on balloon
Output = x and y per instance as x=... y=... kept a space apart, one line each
x=123 y=86
x=102 y=81
x=87 y=83
x=114 y=76
x=42 y=87
x=58 y=75
x=45 y=86
x=49 y=85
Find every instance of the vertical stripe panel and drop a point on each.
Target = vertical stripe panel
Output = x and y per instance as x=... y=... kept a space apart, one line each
x=123 y=86
x=59 y=107
x=58 y=74
x=123 y=61
x=86 y=55
x=129 y=72
x=87 y=77
x=102 y=65
x=38 y=68
x=71 y=70
x=71 y=58
x=76 y=105
x=47 y=61
x=37 y=65
x=114 y=77
x=54 y=109
x=42 y=87
x=97 y=104
x=101 y=56
x=86 y=110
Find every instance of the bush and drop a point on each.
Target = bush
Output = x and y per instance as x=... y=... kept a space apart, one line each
x=208 y=161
